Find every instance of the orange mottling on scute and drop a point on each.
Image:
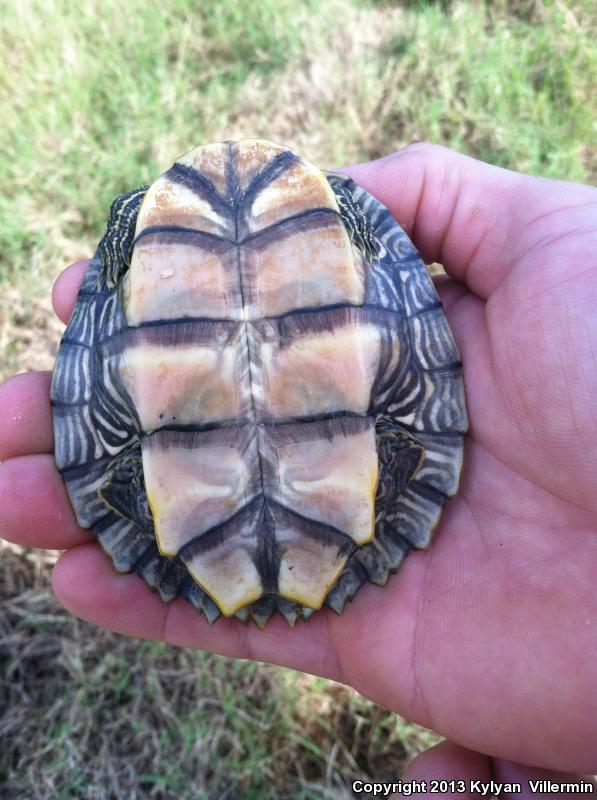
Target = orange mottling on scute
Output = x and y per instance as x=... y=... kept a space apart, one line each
x=306 y=270
x=308 y=569
x=210 y=160
x=184 y=384
x=299 y=188
x=190 y=491
x=252 y=155
x=240 y=273
x=170 y=203
x=172 y=281
x=228 y=574
x=333 y=481
x=321 y=372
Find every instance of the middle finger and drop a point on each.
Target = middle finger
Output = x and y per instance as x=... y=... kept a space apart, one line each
x=26 y=415
x=34 y=507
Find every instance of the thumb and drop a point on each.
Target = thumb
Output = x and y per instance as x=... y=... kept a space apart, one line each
x=474 y=218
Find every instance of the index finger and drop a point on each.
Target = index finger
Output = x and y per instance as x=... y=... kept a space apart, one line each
x=66 y=288
x=26 y=418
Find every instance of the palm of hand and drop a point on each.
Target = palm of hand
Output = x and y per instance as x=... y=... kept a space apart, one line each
x=501 y=626
x=488 y=637
x=502 y=611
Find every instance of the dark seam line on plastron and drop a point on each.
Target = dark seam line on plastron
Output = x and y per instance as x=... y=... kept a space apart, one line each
x=192 y=179
x=235 y=189
x=269 y=173
x=324 y=526
x=202 y=538
x=277 y=228
x=165 y=336
x=320 y=309
x=264 y=538
x=111 y=344
x=316 y=311
x=195 y=233
x=198 y=184
x=199 y=427
x=215 y=529
x=308 y=418
x=240 y=422
x=229 y=436
x=163 y=322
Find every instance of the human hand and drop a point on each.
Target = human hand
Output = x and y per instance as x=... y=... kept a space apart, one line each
x=490 y=636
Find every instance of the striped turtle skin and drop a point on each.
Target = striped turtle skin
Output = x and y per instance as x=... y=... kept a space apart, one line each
x=258 y=403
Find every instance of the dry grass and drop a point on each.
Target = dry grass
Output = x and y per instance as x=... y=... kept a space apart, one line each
x=88 y=714
x=96 y=102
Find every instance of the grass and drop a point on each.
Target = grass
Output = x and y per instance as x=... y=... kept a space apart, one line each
x=515 y=91
x=94 y=101
x=89 y=714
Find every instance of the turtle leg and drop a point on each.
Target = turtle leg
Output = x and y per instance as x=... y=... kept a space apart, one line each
x=123 y=490
x=116 y=246
x=356 y=223
x=126 y=532
x=401 y=456
x=130 y=537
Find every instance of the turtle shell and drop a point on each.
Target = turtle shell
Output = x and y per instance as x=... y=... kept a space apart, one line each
x=258 y=403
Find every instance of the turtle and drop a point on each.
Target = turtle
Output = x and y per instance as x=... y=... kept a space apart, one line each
x=258 y=402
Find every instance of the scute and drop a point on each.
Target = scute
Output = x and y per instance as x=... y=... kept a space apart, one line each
x=275 y=373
